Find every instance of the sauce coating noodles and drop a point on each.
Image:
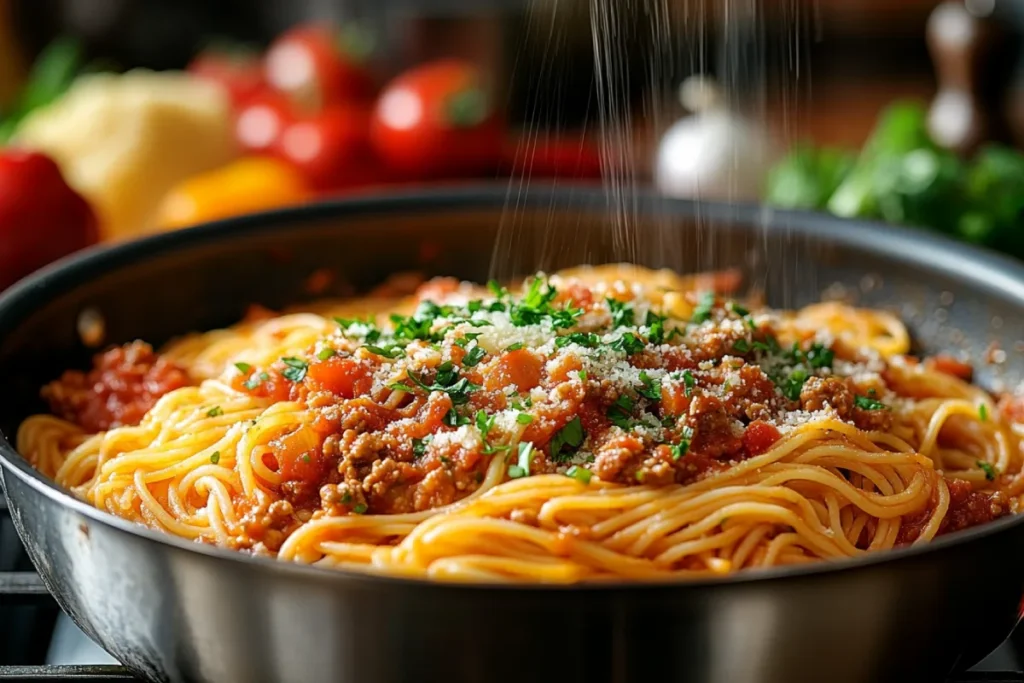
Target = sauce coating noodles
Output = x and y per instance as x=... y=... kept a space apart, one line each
x=603 y=423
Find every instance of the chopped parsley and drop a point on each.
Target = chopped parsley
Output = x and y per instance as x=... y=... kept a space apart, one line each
x=464 y=340
x=738 y=309
x=990 y=472
x=473 y=356
x=256 y=380
x=621 y=412
x=689 y=382
x=622 y=313
x=651 y=388
x=586 y=339
x=656 y=328
x=741 y=346
x=295 y=369
x=580 y=474
x=360 y=509
x=567 y=440
x=865 y=403
x=705 y=305
x=419 y=446
x=215 y=411
x=793 y=384
x=628 y=343
x=243 y=368
x=446 y=380
x=522 y=466
x=524 y=418
x=514 y=347
x=391 y=351
x=682 y=448
x=326 y=353
x=983 y=412
x=215 y=458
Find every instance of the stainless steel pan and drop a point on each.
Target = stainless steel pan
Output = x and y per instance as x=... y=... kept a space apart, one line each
x=176 y=611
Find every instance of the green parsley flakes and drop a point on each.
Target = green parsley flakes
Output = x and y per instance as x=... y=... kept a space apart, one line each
x=580 y=474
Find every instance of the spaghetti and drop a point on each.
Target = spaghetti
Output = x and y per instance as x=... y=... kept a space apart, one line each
x=607 y=423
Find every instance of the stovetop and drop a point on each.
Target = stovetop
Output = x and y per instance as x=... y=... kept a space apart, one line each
x=38 y=643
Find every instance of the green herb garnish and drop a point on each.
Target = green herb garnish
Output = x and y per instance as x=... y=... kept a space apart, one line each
x=567 y=440
x=215 y=458
x=580 y=474
x=295 y=369
x=215 y=411
x=651 y=388
x=990 y=472
x=865 y=403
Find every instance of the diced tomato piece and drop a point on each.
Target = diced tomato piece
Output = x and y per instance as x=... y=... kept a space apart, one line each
x=950 y=366
x=760 y=437
x=299 y=456
x=521 y=368
x=674 y=400
x=343 y=377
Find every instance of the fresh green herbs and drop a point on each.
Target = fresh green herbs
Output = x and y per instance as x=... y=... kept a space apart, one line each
x=295 y=369
x=419 y=446
x=650 y=388
x=689 y=382
x=391 y=351
x=473 y=356
x=622 y=313
x=446 y=380
x=244 y=368
x=522 y=466
x=586 y=339
x=867 y=403
x=215 y=411
x=567 y=440
x=705 y=306
x=628 y=343
x=215 y=457
x=682 y=448
x=988 y=469
x=326 y=353
x=360 y=509
x=983 y=412
x=524 y=418
x=621 y=412
x=256 y=380
x=580 y=474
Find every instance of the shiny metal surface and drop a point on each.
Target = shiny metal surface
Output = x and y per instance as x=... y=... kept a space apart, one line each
x=176 y=611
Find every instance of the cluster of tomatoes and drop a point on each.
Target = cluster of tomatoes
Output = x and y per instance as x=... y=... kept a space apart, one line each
x=312 y=101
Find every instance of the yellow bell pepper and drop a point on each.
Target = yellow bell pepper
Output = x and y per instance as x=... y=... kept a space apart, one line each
x=248 y=185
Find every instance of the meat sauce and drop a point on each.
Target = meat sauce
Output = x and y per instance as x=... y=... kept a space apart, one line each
x=423 y=443
x=123 y=385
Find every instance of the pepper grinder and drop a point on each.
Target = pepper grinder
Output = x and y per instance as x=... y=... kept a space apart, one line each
x=966 y=45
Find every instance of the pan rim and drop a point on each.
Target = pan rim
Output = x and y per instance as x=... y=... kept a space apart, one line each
x=971 y=264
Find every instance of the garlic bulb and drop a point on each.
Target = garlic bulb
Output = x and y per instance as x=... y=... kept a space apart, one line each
x=713 y=154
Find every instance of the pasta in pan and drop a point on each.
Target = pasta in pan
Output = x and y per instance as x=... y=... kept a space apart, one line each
x=601 y=424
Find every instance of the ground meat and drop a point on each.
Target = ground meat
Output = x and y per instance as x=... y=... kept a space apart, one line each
x=967 y=508
x=616 y=459
x=819 y=392
x=123 y=385
x=753 y=396
x=712 y=343
x=714 y=428
x=872 y=420
x=267 y=525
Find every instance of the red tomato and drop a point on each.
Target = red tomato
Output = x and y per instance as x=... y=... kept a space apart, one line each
x=261 y=122
x=557 y=158
x=950 y=366
x=344 y=377
x=332 y=149
x=318 y=66
x=41 y=218
x=438 y=120
x=238 y=71
x=759 y=437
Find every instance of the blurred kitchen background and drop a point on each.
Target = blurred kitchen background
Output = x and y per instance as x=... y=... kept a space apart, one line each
x=908 y=111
